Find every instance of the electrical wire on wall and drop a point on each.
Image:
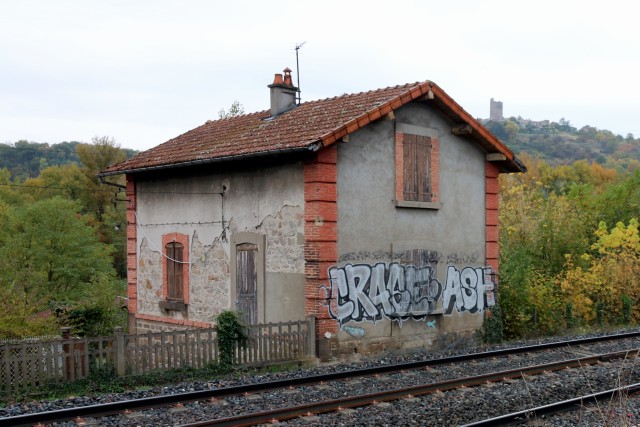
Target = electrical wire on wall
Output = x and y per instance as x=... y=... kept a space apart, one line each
x=221 y=236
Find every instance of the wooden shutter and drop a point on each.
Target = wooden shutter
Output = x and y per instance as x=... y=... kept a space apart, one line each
x=174 y=253
x=247 y=282
x=417 y=167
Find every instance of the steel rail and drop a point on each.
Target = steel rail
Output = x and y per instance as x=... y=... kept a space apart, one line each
x=568 y=405
x=315 y=408
x=163 y=400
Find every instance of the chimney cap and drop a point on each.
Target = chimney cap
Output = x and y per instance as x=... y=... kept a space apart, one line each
x=277 y=80
x=287 y=77
x=285 y=81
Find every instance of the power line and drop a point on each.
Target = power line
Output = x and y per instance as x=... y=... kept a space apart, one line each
x=51 y=187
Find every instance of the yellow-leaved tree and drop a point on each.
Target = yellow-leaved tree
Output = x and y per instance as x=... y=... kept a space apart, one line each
x=607 y=289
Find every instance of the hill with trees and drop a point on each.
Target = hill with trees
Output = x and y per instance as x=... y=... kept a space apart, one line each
x=560 y=143
x=24 y=159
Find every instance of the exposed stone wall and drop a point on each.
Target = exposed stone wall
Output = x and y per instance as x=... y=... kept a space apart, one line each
x=285 y=240
x=149 y=278
x=208 y=284
x=209 y=280
x=145 y=326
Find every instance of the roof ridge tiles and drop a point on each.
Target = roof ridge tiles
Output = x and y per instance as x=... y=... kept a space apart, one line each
x=383 y=89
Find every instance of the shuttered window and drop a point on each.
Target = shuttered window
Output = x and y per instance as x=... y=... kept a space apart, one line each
x=175 y=259
x=416 y=152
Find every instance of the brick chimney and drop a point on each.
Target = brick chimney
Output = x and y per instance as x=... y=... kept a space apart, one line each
x=283 y=93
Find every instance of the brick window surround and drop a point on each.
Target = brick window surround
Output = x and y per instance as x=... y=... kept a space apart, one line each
x=175 y=303
x=416 y=156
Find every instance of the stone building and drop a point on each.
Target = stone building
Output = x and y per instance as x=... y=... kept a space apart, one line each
x=495 y=111
x=376 y=212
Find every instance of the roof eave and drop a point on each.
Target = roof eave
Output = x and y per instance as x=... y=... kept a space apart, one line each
x=311 y=147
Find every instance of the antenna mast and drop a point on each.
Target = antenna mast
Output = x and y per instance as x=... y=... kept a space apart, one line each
x=298 y=46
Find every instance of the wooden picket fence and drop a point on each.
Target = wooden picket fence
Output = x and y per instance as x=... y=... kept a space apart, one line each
x=31 y=363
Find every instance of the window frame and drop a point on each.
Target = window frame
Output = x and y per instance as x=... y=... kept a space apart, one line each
x=425 y=142
x=171 y=302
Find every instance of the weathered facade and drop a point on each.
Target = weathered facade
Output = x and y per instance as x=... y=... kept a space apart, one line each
x=375 y=212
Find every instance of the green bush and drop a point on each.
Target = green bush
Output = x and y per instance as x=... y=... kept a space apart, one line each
x=492 y=327
x=231 y=333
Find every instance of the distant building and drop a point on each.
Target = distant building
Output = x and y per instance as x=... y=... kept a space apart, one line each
x=495 y=111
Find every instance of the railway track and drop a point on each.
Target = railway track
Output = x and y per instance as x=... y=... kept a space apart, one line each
x=311 y=409
x=401 y=381
x=564 y=406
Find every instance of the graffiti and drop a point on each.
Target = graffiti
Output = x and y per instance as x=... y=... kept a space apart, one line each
x=431 y=324
x=465 y=289
x=364 y=292
x=365 y=255
x=354 y=331
x=462 y=258
x=399 y=292
x=416 y=256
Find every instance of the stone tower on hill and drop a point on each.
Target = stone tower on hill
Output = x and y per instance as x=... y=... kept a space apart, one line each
x=495 y=111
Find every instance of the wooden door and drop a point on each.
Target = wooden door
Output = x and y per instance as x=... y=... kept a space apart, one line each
x=247 y=282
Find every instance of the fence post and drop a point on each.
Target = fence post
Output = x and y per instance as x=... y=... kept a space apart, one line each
x=119 y=351
x=68 y=362
x=311 y=331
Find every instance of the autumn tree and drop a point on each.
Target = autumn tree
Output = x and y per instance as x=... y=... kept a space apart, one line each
x=95 y=157
x=104 y=202
x=67 y=181
x=607 y=289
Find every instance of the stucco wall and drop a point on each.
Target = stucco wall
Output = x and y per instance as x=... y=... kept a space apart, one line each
x=266 y=200
x=446 y=245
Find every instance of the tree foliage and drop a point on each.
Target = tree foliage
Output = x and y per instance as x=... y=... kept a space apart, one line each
x=560 y=266
x=59 y=249
x=560 y=143
x=236 y=109
x=48 y=248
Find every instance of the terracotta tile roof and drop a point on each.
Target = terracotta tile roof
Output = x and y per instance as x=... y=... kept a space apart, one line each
x=310 y=125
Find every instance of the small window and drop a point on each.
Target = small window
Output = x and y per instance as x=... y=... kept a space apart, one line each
x=175 y=260
x=175 y=271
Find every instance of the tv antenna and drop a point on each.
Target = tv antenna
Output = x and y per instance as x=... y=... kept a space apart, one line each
x=298 y=46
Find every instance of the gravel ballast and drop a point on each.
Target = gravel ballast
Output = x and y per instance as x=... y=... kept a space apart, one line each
x=451 y=408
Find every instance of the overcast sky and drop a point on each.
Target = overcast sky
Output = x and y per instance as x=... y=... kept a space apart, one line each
x=143 y=72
